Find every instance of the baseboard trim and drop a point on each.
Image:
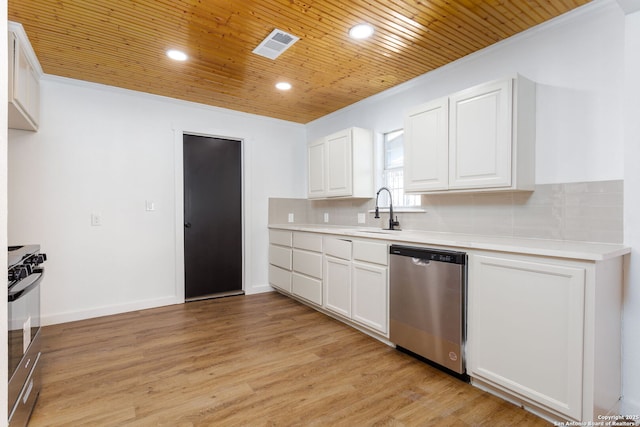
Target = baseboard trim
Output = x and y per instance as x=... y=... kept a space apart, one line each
x=71 y=316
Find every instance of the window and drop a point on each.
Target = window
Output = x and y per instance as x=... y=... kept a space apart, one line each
x=393 y=171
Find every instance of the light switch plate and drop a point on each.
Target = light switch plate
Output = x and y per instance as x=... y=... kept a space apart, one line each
x=326 y=217
x=362 y=218
x=290 y=218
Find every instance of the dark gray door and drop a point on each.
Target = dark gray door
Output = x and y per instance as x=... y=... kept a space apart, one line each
x=212 y=216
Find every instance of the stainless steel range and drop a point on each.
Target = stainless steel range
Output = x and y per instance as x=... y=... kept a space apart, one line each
x=25 y=277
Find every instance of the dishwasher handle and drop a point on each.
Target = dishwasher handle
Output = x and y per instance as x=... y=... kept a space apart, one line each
x=429 y=254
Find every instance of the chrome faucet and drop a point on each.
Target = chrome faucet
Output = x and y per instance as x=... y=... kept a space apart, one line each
x=392 y=223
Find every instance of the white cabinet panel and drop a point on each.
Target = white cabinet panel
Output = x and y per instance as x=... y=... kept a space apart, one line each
x=307 y=287
x=526 y=326
x=478 y=139
x=370 y=296
x=337 y=248
x=338 y=152
x=426 y=154
x=280 y=237
x=341 y=165
x=480 y=136
x=307 y=241
x=309 y=263
x=24 y=81
x=280 y=278
x=377 y=253
x=316 y=165
x=280 y=256
x=337 y=285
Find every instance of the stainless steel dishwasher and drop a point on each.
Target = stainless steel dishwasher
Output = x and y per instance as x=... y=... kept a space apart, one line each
x=427 y=299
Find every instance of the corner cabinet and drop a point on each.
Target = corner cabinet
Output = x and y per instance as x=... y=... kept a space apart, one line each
x=341 y=165
x=536 y=332
x=24 y=74
x=478 y=139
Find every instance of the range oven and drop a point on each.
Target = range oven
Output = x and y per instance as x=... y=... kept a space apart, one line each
x=25 y=273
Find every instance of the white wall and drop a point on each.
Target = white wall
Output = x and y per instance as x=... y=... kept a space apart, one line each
x=631 y=327
x=104 y=150
x=575 y=61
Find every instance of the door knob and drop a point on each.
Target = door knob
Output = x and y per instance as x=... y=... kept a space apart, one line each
x=187 y=225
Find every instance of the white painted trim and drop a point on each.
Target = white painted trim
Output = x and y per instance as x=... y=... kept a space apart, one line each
x=17 y=29
x=179 y=212
x=179 y=131
x=107 y=310
x=260 y=289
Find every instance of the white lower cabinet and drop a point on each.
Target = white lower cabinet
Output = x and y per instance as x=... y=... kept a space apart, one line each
x=355 y=281
x=337 y=285
x=370 y=295
x=542 y=331
x=280 y=259
x=307 y=287
x=531 y=332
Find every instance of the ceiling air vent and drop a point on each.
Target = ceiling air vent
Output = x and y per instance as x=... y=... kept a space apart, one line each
x=275 y=43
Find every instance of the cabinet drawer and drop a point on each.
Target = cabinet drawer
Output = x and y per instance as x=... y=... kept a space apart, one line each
x=309 y=263
x=280 y=278
x=280 y=237
x=280 y=256
x=307 y=288
x=308 y=241
x=339 y=248
x=376 y=253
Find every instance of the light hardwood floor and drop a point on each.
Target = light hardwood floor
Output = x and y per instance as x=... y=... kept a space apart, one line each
x=260 y=360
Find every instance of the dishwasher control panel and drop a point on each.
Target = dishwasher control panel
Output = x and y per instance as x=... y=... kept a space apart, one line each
x=429 y=254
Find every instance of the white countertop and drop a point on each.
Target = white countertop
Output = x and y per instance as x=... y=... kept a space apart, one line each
x=542 y=247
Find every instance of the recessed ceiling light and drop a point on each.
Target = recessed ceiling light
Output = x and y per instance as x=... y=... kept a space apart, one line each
x=176 y=55
x=283 y=86
x=361 y=31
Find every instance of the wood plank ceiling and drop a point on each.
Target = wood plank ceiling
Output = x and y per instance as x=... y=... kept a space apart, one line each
x=123 y=42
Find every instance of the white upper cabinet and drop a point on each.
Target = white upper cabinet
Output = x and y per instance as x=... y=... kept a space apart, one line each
x=478 y=139
x=427 y=156
x=24 y=81
x=480 y=136
x=316 y=168
x=341 y=165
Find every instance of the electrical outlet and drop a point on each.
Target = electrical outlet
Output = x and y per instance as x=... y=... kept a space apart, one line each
x=362 y=218
x=326 y=217
x=290 y=218
x=96 y=219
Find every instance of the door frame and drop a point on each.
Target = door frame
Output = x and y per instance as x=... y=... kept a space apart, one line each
x=179 y=132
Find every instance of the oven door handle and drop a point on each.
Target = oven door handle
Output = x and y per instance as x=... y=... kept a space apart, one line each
x=26 y=285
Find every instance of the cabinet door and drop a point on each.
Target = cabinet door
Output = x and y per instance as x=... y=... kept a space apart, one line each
x=426 y=147
x=316 y=164
x=337 y=285
x=370 y=296
x=480 y=136
x=339 y=164
x=525 y=329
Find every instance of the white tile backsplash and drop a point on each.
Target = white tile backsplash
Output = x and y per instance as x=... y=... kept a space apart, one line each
x=584 y=211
